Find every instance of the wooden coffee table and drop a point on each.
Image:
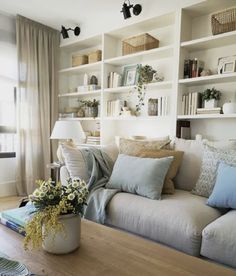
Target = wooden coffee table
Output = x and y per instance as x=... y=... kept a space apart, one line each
x=106 y=251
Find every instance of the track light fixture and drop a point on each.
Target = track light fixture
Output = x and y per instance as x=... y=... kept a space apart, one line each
x=65 y=34
x=126 y=9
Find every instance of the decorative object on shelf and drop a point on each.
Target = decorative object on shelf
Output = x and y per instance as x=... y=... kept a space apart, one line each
x=87 y=88
x=126 y=9
x=93 y=80
x=193 y=68
x=157 y=77
x=145 y=76
x=206 y=72
x=90 y=107
x=56 y=223
x=125 y=110
x=227 y=65
x=80 y=113
x=152 y=107
x=130 y=75
x=211 y=97
x=64 y=31
x=139 y=43
x=95 y=56
x=86 y=79
x=229 y=108
x=223 y=21
x=78 y=60
x=67 y=131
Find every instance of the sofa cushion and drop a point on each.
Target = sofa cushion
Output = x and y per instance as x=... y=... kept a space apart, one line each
x=218 y=240
x=147 y=175
x=168 y=187
x=210 y=161
x=176 y=220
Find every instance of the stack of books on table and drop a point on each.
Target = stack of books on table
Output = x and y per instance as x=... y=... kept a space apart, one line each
x=93 y=140
x=16 y=219
x=216 y=110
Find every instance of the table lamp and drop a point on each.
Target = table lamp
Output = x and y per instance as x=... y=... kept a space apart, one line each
x=68 y=131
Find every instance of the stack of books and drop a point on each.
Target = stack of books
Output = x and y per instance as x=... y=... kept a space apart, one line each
x=93 y=140
x=16 y=219
x=162 y=106
x=216 y=110
x=114 y=107
x=190 y=103
x=193 y=68
x=114 y=80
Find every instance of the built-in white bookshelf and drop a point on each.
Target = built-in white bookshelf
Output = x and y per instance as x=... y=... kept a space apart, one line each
x=184 y=34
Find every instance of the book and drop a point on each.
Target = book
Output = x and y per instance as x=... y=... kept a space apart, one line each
x=13 y=226
x=19 y=216
x=216 y=110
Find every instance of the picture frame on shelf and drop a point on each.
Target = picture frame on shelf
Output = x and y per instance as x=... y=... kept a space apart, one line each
x=226 y=65
x=130 y=75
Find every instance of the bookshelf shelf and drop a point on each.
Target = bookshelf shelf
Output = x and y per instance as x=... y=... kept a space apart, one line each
x=78 y=94
x=92 y=67
x=220 y=78
x=206 y=116
x=80 y=119
x=134 y=118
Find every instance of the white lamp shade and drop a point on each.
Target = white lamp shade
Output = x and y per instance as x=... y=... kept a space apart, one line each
x=65 y=130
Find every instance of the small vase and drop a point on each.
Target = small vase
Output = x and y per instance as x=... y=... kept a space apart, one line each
x=211 y=103
x=91 y=111
x=66 y=241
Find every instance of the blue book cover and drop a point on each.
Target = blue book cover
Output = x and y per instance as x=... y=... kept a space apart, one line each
x=19 y=216
x=13 y=226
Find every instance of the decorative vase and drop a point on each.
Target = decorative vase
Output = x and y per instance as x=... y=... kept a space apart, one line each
x=211 y=103
x=91 y=111
x=229 y=108
x=152 y=107
x=66 y=241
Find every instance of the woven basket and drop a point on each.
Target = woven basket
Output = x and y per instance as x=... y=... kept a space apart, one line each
x=139 y=43
x=78 y=60
x=224 y=21
x=95 y=56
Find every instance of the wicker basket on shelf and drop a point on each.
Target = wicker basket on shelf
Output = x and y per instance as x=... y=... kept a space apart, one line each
x=95 y=56
x=139 y=43
x=78 y=60
x=224 y=21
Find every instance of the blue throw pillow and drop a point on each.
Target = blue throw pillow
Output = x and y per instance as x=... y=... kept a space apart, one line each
x=142 y=176
x=224 y=192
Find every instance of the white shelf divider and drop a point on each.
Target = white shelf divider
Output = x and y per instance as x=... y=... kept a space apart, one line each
x=96 y=66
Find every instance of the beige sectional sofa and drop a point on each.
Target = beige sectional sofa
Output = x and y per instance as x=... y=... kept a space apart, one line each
x=182 y=220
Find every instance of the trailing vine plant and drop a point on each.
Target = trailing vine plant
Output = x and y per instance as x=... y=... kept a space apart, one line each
x=145 y=74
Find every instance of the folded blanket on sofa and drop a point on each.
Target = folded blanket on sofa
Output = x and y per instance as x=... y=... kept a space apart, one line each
x=101 y=168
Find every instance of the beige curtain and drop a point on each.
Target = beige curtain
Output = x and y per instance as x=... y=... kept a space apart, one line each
x=38 y=53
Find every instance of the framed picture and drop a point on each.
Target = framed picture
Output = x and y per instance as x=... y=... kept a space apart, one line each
x=130 y=75
x=226 y=65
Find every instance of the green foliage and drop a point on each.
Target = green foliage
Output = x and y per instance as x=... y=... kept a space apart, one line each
x=93 y=103
x=52 y=200
x=145 y=76
x=210 y=94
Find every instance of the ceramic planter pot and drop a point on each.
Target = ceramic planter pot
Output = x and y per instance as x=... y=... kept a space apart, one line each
x=211 y=103
x=64 y=242
x=91 y=111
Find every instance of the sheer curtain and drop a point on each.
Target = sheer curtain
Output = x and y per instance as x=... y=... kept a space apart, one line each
x=38 y=53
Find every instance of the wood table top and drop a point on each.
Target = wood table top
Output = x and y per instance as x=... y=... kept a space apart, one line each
x=106 y=251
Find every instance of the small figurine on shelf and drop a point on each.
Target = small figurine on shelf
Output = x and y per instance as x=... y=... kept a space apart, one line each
x=93 y=80
x=125 y=111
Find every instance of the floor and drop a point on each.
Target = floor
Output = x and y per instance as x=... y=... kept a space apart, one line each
x=9 y=202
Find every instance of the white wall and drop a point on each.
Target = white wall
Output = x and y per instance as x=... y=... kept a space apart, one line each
x=7 y=73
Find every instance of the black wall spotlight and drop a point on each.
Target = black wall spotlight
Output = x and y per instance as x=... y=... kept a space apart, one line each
x=126 y=9
x=65 y=34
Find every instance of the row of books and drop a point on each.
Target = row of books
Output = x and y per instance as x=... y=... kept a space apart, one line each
x=162 y=106
x=93 y=140
x=114 y=80
x=190 y=103
x=16 y=219
x=114 y=107
x=193 y=68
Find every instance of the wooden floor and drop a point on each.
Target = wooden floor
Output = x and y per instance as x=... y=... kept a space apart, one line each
x=9 y=202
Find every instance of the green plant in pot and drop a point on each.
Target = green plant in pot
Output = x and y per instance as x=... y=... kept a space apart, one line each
x=55 y=224
x=210 y=97
x=90 y=107
x=145 y=76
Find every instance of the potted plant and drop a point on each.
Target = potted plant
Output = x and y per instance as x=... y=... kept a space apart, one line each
x=211 y=97
x=90 y=107
x=145 y=74
x=55 y=225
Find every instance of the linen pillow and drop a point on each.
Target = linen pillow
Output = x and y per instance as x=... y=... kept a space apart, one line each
x=142 y=176
x=224 y=192
x=135 y=147
x=168 y=187
x=75 y=162
x=211 y=158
